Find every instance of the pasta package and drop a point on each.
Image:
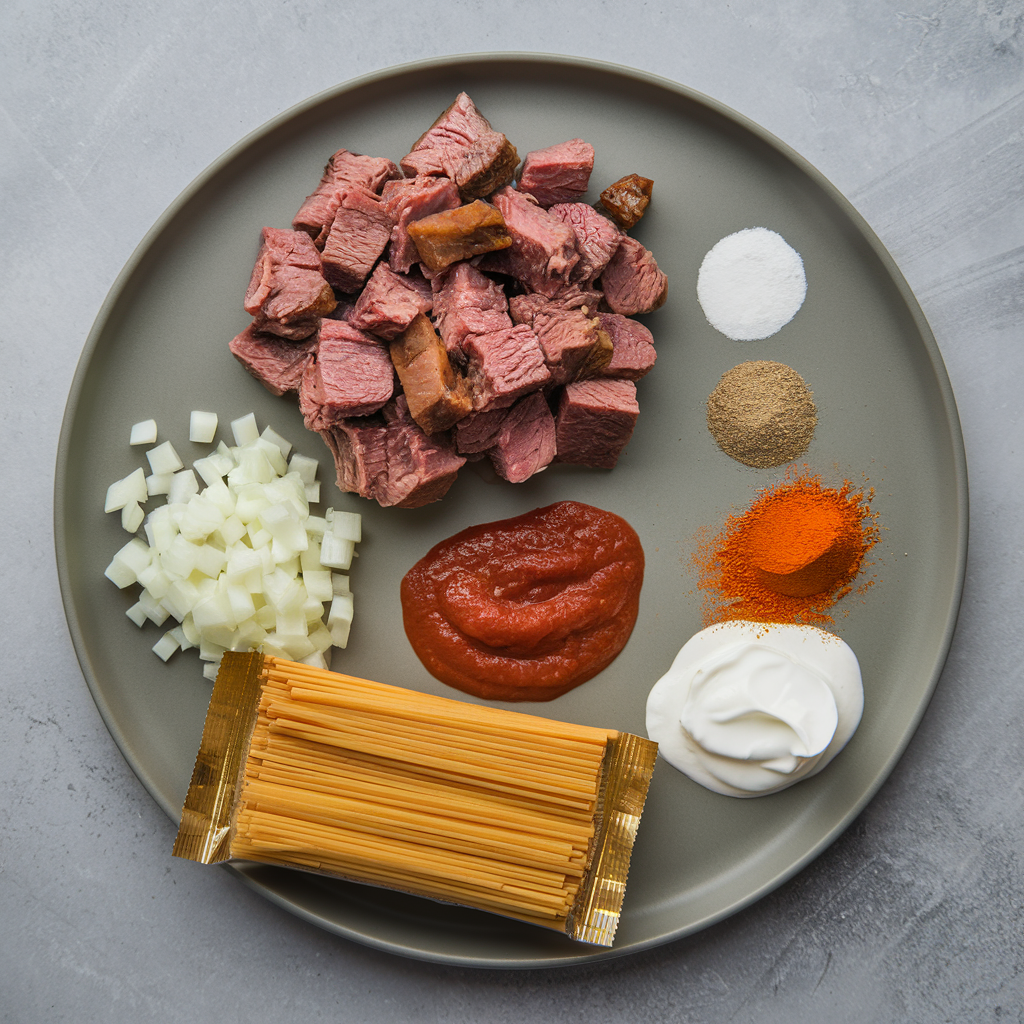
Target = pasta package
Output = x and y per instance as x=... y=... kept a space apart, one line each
x=522 y=816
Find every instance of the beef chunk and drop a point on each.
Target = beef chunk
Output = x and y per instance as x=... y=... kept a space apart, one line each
x=453 y=235
x=543 y=251
x=504 y=365
x=627 y=199
x=597 y=238
x=558 y=174
x=359 y=447
x=287 y=293
x=571 y=340
x=360 y=230
x=524 y=307
x=595 y=421
x=350 y=375
x=407 y=200
x=343 y=171
x=525 y=441
x=389 y=302
x=478 y=431
x=388 y=458
x=467 y=302
x=277 y=364
x=437 y=398
x=633 y=352
x=421 y=467
x=462 y=146
x=632 y=282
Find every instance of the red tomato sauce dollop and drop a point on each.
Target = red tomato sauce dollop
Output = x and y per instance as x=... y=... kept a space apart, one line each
x=529 y=607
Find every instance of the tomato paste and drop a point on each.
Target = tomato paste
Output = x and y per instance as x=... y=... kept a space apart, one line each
x=526 y=608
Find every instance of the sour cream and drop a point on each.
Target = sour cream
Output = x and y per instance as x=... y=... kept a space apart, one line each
x=750 y=708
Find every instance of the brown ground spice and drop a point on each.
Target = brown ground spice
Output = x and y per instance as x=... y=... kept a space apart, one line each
x=762 y=414
x=790 y=556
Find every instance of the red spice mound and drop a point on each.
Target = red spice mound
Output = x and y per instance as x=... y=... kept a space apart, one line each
x=790 y=556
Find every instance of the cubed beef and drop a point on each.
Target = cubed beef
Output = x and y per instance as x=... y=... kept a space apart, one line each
x=558 y=174
x=421 y=467
x=504 y=365
x=287 y=293
x=569 y=339
x=276 y=363
x=453 y=235
x=524 y=307
x=467 y=302
x=627 y=199
x=478 y=431
x=343 y=310
x=350 y=375
x=632 y=282
x=343 y=171
x=436 y=396
x=407 y=200
x=360 y=450
x=462 y=146
x=597 y=238
x=633 y=352
x=525 y=441
x=360 y=230
x=543 y=250
x=595 y=421
x=390 y=301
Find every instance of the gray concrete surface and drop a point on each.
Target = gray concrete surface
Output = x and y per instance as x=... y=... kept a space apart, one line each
x=915 y=110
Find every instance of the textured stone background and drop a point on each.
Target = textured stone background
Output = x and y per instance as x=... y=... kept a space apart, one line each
x=915 y=111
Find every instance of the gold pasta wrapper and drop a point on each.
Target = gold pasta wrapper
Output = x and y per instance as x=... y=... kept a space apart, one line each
x=515 y=814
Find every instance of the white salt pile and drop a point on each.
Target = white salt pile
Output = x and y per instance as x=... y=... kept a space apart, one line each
x=751 y=284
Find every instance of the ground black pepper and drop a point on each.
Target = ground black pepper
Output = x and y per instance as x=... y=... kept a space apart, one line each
x=762 y=414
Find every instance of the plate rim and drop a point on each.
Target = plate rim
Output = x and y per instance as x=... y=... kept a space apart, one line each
x=520 y=58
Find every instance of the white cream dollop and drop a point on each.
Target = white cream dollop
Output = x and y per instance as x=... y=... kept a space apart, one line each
x=750 y=708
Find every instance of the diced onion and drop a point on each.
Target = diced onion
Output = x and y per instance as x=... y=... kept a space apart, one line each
x=240 y=563
x=143 y=433
x=164 y=459
x=202 y=426
x=122 y=492
x=244 y=429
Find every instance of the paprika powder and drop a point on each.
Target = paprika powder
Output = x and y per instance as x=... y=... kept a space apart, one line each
x=790 y=556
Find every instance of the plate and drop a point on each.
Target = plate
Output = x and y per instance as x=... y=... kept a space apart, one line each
x=886 y=414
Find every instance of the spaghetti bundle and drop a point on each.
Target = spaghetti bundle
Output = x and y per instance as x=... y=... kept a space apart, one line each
x=519 y=815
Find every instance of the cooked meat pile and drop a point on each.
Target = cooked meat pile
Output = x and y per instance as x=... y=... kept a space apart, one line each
x=437 y=311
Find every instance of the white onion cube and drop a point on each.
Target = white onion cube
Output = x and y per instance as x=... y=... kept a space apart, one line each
x=316 y=526
x=304 y=466
x=126 y=565
x=137 y=614
x=318 y=584
x=132 y=516
x=345 y=525
x=339 y=619
x=128 y=489
x=336 y=553
x=153 y=609
x=202 y=426
x=244 y=429
x=165 y=646
x=283 y=444
x=143 y=433
x=183 y=486
x=159 y=483
x=164 y=459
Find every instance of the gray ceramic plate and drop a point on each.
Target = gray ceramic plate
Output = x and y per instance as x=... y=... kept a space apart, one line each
x=159 y=349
